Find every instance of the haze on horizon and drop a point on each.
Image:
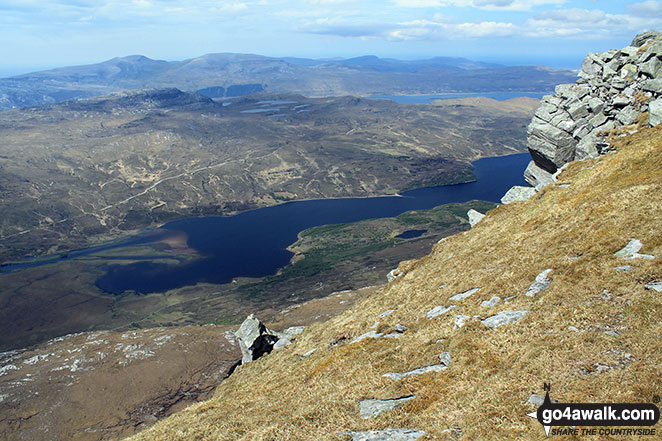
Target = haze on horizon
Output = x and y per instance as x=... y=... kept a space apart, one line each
x=556 y=33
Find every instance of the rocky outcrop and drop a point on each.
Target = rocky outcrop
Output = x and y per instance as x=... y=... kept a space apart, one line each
x=503 y=318
x=517 y=193
x=372 y=408
x=540 y=284
x=614 y=88
x=387 y=435
x=474 y=217
x=255 y=339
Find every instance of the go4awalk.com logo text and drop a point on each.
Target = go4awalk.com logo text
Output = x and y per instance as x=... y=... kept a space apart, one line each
x=607 y=419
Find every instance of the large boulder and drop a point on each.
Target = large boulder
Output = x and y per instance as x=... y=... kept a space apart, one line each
x=255 y=339
x=474 y=217
x=517 y=193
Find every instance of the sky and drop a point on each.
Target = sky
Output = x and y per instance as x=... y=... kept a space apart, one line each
x=41 y=34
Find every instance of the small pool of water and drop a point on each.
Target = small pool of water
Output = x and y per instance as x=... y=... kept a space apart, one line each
x=409 y=234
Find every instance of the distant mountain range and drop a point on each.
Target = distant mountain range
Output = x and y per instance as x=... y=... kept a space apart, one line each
x=227 y=74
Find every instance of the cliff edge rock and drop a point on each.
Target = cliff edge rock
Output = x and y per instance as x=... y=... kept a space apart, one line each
x=613 y=90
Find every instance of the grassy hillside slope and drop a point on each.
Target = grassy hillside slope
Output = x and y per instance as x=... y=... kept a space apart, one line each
x=594 y=333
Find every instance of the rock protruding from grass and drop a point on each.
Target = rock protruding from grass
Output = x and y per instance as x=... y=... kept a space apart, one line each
x=371 y=408
x=393 y=274
x=631 y=251
x=655 y=286
x=491 y=302
x=438 y=310
x=286 y=337
x=518 y=193
x=255 y=339
x=464 y=295
x=541 y=283
x=504 y=317
x=388 y=435
x=369 y=334
x=445 y=358
x=413 y=373
x=474 y=217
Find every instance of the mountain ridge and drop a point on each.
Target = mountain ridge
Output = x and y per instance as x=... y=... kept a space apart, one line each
x=367 y=75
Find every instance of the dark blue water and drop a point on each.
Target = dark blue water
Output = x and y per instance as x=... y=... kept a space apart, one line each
x=427 y=99
x=410 y=234
x=253 y=244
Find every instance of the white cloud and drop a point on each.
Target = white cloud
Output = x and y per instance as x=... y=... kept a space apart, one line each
x=647 y=9
x=585 y=23
x=442 y=28
x=490 y=5
x=486 y=29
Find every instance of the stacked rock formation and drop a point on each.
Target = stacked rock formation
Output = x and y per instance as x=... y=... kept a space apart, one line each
x=614 y=88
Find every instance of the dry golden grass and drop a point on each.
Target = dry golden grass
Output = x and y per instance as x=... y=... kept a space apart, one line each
x=574 y=231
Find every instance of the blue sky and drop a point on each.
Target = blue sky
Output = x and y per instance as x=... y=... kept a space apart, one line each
x=37 y=34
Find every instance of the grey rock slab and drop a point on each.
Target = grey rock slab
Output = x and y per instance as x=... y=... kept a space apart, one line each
x=371 y=408
x=518 y=193
x=504 y=317
x=654 y=85
x=393 y=274
x=627 y=115
x=652 y=67
x=621 y=101
x=655 y=286
x=551 y=99
x=445 y=358
x=655 y=112
x=438 y=310
x=550 y=142
x=309 y=353
x=629 y=71
x=590 y=70
x=587 y=148
x=624 y=268
x=369 y=334
x=293 y=330
x=536 y=176
x=643 y=37
x=491 y=302
x=540 y=284
x=631 y=251
x=596 y=104
x=400 y=328
x=546 y=112
x=474 y=217
x=598 y=120
x=538 y=400
x=464 y=295
x=387 y=435
x=386 y=313
x=255 y=339
x=618 y=83
x=281 y=343
x=631 y=248
x=576 y=112
x=420 y=371
x=460 y=320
